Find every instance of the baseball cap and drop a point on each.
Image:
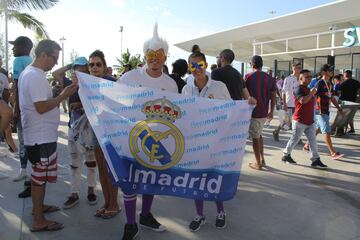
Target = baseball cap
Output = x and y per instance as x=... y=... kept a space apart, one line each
x=80 y=61
x=22 y=41
x=257 y=61
x=326 y=68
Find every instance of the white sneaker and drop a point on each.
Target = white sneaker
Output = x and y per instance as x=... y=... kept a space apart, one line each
x=22 y=175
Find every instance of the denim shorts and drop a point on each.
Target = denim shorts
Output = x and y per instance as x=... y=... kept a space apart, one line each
x=322 y=122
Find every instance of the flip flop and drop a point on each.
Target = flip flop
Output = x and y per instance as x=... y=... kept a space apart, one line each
x=51 y=226
x=255 y=166
x=107 y=214
x=99 y=212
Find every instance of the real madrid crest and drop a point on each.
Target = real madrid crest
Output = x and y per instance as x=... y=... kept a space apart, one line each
x=156 y=142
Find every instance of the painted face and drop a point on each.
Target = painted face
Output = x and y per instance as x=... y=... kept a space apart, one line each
x=96 y=67
x=197 y=67
x=157 y=55
x=193 y=66
x=155 y=61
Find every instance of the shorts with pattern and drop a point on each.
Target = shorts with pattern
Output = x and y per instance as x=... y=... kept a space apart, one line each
x=256 y=127
x=44 y=163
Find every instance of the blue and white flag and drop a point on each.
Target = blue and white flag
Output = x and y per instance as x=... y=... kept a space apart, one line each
x=163 y=143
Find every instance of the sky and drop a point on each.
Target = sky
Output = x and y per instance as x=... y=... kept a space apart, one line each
x=88 y=25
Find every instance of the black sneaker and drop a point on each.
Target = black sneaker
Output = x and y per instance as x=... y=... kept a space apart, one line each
x=71 y=202
x=196 y=223
x=150 y=222
x=276 y=135
x=220 y=220
x=318 y=164
x=26 y=193
x=288 y=159
x=27 y=183
x=91 y=198
x=131 y=231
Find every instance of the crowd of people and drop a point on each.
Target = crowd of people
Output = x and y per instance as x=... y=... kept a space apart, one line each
x=32 y=105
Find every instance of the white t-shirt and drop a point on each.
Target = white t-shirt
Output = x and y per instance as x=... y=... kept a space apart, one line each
x=37 y=128
x=212 y=89
x=140 y=78
x=4 y=83
x=289 y=86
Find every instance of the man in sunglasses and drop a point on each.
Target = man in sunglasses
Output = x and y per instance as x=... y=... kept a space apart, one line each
x=152 y=76
x=40 y=118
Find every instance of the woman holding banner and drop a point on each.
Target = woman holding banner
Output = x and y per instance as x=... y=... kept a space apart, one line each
x=203 y=86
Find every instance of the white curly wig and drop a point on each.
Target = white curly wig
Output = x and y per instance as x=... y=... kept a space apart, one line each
x=156 y=43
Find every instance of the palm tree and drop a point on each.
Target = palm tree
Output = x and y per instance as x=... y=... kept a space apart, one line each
x=127 y=59
x=13 y=8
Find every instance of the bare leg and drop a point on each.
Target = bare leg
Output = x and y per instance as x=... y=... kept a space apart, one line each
x=261 y=148
x=9 y=139
x=37 y=195
x=327 y=139
x=256 y=148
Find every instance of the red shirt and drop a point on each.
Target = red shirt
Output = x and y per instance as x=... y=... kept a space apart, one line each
x=304 y=113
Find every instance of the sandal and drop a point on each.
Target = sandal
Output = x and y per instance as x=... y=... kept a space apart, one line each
x=99 y=212
x=51 y=226
x=107 y=214
x=255 y=166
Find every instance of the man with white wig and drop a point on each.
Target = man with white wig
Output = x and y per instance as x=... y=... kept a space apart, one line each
x=152 y=76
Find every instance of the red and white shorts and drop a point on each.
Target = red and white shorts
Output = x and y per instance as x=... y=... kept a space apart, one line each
x=44 y=163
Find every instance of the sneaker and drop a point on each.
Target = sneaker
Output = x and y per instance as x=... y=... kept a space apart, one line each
x=288 y=159
x=27 y=183
x=220 y=220
x=276 y=136
x=26 y=193
x=71 y=202
x=318 y=164
x=131 y=231
x=150 y=222
x=91 y=198
x=196 y=223
x=336 y=156
x=22 y=175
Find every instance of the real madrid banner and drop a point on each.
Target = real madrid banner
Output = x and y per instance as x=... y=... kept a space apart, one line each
x=157 y=142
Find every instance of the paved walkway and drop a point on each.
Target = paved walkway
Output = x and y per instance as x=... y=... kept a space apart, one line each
x=281 y=202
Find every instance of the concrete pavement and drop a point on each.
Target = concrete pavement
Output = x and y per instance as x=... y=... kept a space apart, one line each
x=281 y=202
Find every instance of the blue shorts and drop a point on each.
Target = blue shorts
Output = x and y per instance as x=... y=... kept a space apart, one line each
x=322 y=122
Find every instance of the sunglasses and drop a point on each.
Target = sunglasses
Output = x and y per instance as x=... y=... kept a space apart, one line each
x=97 y=64
x=155 y=55
x=197 y=66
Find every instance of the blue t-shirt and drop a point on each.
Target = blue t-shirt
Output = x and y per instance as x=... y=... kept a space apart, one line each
x=19 y=64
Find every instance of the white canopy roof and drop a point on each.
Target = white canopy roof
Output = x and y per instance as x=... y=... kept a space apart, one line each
x=300 y=34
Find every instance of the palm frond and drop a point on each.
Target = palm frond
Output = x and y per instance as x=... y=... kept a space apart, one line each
x=29 y=22
x=31 y=4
